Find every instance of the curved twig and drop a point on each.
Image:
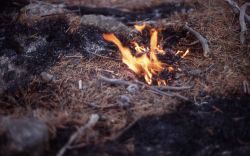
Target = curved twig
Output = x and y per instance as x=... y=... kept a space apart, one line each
x=203 y=40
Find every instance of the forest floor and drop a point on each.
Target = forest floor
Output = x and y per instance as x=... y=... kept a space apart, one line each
x=213 y=121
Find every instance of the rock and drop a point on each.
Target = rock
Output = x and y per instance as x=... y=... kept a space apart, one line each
x=24 y=136
x=47 y=77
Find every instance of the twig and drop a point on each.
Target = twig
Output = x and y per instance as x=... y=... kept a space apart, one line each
x=198 y=72
x=236 y=9
x=102 y=56
x=243 y=25
x=203 y=41
x=92 y=121
x=174 y=88
x=246 y=89
x=114 y=81
x=155 y=89
x=193 y=43
x=118 y=137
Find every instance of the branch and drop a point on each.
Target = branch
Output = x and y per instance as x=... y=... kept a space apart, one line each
x=236 y=9
x=114 y=81
x=174 y=88
x=243 y=25
x=203 y=41
x=155 y=89
x=92 y=121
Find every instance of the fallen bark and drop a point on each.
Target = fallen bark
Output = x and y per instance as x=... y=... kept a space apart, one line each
x=203 y=41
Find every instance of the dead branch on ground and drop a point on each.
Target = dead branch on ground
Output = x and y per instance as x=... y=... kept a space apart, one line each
x=236 y=9
x=114 y=81
x=154 y=89
x=203 y=40
x=174 y=88
x=243 y=25
x=92 y=121
x=157 y=91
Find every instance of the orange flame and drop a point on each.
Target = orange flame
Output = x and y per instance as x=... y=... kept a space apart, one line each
x=146 y=65
x=140 y=28
x=181 y=52
x=138 y=48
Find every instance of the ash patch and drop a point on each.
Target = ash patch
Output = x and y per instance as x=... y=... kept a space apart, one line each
x=33 y=50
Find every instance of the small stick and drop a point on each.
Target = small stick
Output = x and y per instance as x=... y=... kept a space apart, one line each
x=152 y=88
x=203 y=41
x=80 y=84
x=243 y=25
x=114 y=81
x=236 y=9
x=118 y=137
x=193 y=43
x=157 y=91
x=173 y=88
x=123 y=82
x=92 y=121
x=246 y=89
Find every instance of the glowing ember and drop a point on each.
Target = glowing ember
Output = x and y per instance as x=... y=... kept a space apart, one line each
x=146 y=64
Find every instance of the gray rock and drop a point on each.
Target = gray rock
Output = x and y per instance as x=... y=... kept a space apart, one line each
x=23 y=136
x=47 y=77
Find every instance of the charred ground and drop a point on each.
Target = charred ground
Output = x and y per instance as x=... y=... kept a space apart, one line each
x=68 y=44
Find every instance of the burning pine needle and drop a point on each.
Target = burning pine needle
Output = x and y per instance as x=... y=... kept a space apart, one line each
x=145 y=62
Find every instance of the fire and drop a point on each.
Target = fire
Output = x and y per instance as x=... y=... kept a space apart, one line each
x=140 y=28
x=146 y=64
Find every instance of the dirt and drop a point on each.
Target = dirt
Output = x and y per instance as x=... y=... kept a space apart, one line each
x=70 y=47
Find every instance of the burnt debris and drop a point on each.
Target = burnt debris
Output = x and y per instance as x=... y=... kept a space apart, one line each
x=36 y=35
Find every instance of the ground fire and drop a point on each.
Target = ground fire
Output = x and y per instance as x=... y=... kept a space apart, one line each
x=145 y=61
x=124 y=77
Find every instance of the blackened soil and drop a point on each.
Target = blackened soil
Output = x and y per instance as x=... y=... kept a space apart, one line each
x=220 y=127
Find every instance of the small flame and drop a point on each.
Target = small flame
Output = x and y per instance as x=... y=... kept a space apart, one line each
x=146 y=64
x=138 y=48
x=181 y=52
x=140 y=28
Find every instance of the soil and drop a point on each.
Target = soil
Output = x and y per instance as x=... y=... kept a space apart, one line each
x=65 y=42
